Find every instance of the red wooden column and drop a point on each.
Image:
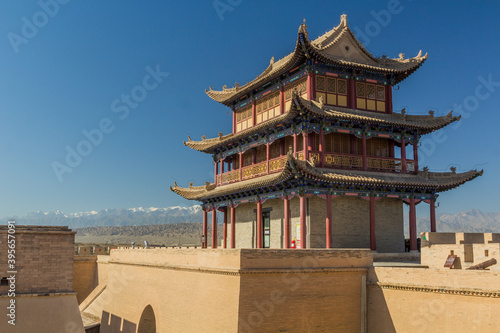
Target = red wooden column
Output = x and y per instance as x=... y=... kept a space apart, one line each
x=221 y=166
x=432 y=203
x=282 y=99
x=233 y=227
x=234 y=121
x=328 y=221
x=295 y=145
x=413 y=226
x=403 y=154
x=214 y=228
x=259 y=225
x=268 y=155
x=216 y=172
x=282 y=148
x=305 y=140
x=241 y=164
x=310 y=80
x=204 y=243
x=303 y=212
x=322 y=147
x=415 y=156
x=364 y=158
x=373 y=242
x=224 y=230
x=286 y=203
x=254 y=112
x=351 y=84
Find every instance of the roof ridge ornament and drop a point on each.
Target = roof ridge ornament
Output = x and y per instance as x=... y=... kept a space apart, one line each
x=431 y=113
x=303 y=28
x=453 y=170
x=321 y=101
x=343 y=20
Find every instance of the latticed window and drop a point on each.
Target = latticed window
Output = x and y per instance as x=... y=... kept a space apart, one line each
x=275 y=149
x=360 y=90
x=236 y=162
x=244 y=118
x=328 y=143
x=261 y=153
x=247 y=158
x=359 y=146
x=377 y=147
x=341 y=143
x=288 y=144
x=300 y=85
x=268 y=107
x=333 y=90
x=300 y=142
x=370 y=96
x=316 y=141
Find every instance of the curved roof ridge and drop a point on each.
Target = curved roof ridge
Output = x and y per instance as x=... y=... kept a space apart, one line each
x=330 y=35
x=428 y=123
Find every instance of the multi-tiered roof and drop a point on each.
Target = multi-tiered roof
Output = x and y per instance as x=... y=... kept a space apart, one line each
x=345 y=107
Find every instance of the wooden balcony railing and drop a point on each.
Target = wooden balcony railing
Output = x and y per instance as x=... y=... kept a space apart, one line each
x=231 y=177
x=344 y=161
x=389 y=164
x=277 y=164
x=254 y=170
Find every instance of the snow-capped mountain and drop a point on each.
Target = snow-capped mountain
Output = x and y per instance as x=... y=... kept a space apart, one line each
x=114 y=217
x=470 y=221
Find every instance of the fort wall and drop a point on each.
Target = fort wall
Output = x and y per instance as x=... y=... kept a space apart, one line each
x=245 y=290
x=432 y=300
x=44 y=298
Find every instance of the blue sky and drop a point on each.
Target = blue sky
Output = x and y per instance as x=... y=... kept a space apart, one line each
x=70 y=72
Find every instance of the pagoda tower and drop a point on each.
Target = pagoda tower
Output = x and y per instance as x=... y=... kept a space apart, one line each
x=317 y=157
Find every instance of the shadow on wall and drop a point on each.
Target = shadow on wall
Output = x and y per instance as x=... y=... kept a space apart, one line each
x=112 y=324
x=379 y=317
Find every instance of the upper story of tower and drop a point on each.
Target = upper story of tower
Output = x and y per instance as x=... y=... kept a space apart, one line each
x=334 y=69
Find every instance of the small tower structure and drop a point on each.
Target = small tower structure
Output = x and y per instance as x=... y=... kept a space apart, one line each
x=317 y=154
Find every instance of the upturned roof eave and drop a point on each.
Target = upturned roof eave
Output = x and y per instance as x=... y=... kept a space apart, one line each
x=429 y=181
x=303 y=44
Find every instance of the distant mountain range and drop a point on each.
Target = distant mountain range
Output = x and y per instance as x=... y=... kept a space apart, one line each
x=470 y=221
x=115 y=217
